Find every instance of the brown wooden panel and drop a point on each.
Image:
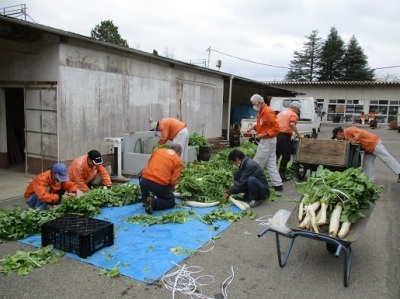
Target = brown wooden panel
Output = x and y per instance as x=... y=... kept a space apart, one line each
x=323 y=152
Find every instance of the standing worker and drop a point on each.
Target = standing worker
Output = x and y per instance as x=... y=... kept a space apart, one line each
x=372 y=146
x=49 y=188
x=174 y=130
x=362 y=117
x=87 y=171
x=160 y=177
x=287 y=120
x=267 y=128
x=371 y=116
x=249 y=179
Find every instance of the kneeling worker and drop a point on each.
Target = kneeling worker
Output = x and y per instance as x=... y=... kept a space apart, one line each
x=160 y=177
x=49 y=188
x=87 y=171
x=249 y=179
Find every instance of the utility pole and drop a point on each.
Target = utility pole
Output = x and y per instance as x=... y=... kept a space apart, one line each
x=209 y=54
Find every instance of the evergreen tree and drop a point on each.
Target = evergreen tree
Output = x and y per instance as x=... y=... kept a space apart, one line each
x=331 y=59
x=108 y=32
x=355 y=63
x=304 y=64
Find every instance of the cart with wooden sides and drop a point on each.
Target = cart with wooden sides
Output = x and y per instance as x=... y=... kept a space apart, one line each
x=340 y=247
x=332 y=154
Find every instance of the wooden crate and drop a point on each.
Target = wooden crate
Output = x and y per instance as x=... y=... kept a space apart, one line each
x=323 y=152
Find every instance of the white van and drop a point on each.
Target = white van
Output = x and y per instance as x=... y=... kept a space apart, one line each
x=310 y=117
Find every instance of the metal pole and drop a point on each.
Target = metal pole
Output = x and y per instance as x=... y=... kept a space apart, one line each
x=229 y=108
x=209 y=54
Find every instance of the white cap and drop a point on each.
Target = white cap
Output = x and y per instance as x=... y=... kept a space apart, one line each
x=153 y=125
x=296 y=104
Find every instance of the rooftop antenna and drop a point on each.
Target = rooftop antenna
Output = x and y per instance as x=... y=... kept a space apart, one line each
x=209 y=54
x=16 y=11
x=219 y=62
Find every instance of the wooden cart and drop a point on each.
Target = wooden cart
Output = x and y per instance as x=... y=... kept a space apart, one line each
x=332 y=154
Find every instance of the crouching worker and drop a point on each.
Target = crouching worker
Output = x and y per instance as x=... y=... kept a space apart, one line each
x=50 y=188
x=160 y=177
x=87 y=171
x=249 y=179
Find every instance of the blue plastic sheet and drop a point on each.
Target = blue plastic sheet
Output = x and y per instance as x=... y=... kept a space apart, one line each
x=143 y=253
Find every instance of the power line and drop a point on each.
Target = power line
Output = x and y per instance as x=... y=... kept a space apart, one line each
x=284 y=67
x=386 y=67
x=247 y=60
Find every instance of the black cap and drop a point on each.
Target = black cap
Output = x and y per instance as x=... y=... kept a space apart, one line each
x=95 y=156
x=335 y=131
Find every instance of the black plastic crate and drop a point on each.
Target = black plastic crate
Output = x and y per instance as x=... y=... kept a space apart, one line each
x=77 y=234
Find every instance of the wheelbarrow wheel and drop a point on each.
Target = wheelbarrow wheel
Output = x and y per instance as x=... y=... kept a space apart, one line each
x=301 y=171
x=331 y=247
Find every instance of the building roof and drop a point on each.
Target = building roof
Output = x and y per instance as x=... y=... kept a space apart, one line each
x=25 y=31
x=359 y=83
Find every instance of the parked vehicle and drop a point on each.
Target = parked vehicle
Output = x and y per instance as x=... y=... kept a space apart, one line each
x=310 y=117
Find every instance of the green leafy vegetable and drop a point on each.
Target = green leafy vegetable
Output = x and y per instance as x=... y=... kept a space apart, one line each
x=24 y=262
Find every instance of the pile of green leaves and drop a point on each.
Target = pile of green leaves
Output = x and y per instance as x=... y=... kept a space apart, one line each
x=183 y=216
x=198 y=140
x=90 y=203
x=18 y=223
x=171 y=217
x=206 y=181
x=24 y=262
x=351 y=188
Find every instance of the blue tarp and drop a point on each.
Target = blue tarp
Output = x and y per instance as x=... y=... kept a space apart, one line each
x=143 y=253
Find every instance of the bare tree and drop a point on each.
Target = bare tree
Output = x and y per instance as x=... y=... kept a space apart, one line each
x=169 y=53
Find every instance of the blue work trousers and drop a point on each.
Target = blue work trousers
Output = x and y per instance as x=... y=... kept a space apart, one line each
x=165 y=198
x=256 y=190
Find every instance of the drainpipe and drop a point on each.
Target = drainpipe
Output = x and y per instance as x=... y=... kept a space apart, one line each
x=229 y=107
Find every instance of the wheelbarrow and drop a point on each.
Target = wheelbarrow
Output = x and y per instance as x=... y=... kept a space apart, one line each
x=333 y=245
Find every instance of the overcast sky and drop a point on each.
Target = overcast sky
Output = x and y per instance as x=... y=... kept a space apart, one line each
x=262 y=31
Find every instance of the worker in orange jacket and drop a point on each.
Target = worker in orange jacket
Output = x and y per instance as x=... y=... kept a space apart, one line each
x=287 y=120
x=372 y=146
x=160 y=177
x=49 y=188
x=267 y=129
x=173 y=130
x=86 y=170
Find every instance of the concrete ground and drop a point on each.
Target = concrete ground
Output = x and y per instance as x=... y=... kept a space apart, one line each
x=311 y=270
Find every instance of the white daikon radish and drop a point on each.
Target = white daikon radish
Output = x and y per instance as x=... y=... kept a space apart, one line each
x=344 y=229
x=202 y=204
x=310 y=212
x=240 y=204
x=335 y=221
x=322 y=219
x=301 y=211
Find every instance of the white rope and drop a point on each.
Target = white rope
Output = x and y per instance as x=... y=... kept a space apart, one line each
x=226 y=283
x=210 y=241
x=183 y=281
x=263 y=220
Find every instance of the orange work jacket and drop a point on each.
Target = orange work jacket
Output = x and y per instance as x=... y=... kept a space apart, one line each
x=365 y=139
x=164 y=167
x=286 y=117
x=267 y=122
x=45 y=188
x=169 y=128
x=81 y=174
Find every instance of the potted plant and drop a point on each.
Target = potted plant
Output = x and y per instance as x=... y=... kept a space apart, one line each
x=202 y=145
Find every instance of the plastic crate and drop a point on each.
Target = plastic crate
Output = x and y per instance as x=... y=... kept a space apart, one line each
x=77 y=234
